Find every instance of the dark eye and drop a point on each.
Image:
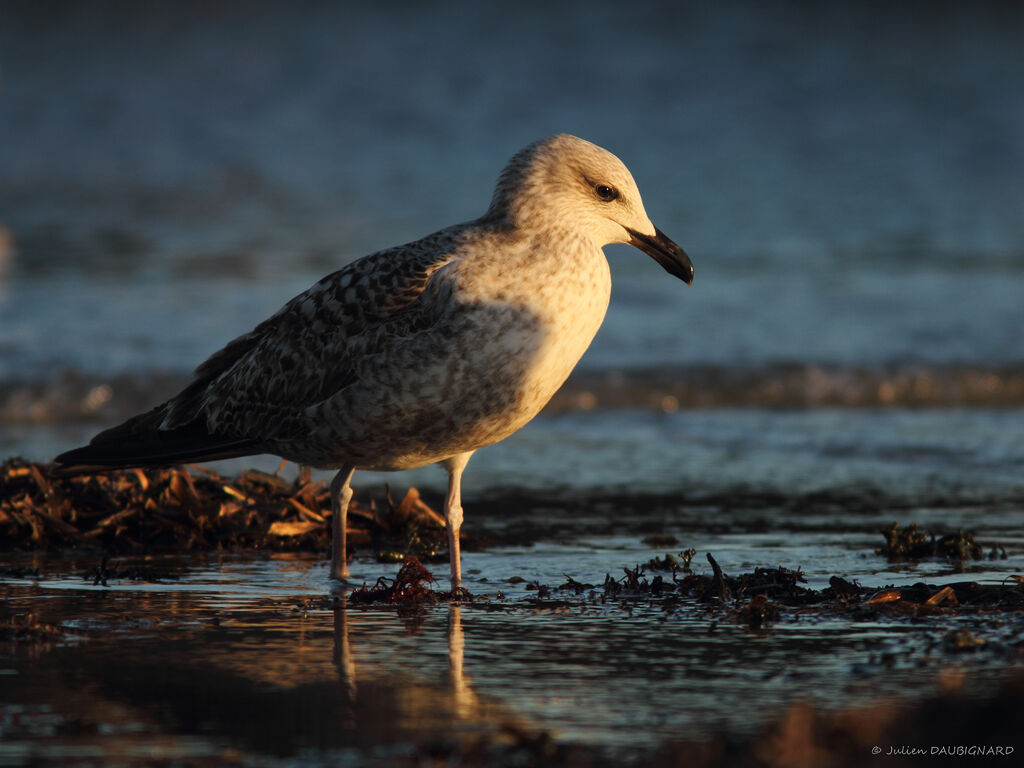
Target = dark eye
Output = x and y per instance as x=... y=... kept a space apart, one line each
x=606 y=193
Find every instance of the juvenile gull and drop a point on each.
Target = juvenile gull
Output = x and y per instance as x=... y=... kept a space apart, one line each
x=417 y=354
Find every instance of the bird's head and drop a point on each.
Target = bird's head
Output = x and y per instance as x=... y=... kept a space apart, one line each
x=564 y=181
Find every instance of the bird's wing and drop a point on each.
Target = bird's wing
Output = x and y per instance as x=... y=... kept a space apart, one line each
x=306 y=351
x=256 y=389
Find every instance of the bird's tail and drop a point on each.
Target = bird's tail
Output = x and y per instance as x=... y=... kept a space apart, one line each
x=139 y=442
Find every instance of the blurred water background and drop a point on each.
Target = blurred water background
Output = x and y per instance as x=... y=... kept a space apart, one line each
x=846 y=177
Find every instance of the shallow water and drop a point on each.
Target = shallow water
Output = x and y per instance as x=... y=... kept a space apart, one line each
x=901 y=456
x=241 y=657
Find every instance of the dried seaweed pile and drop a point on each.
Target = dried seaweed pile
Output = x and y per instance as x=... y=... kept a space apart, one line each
x=762 y=596
x=151 y=510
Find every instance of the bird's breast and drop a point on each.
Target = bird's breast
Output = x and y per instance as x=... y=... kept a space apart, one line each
x=570 y=311
x=502 y=349
x=534 y=330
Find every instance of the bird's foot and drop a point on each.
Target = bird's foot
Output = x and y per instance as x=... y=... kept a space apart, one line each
x=460 y=593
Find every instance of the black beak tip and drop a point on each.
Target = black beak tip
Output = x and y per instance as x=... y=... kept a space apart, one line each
x=672 y=258
x=687 y=274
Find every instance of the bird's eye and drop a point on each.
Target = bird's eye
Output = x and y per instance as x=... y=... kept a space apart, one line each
x=606 y=193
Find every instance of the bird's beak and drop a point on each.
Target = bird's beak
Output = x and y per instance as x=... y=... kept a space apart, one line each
x=665 y=252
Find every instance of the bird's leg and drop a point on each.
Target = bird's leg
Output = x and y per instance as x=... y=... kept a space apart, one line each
x=453 y=514
x=341 y=495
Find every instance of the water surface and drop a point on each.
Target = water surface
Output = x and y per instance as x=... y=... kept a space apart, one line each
x=247 y=659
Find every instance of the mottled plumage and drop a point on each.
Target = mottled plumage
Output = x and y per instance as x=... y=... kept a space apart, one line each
x=420 y=353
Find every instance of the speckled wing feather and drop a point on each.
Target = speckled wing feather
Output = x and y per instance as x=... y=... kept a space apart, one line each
x=254 y=392
x=307 y=350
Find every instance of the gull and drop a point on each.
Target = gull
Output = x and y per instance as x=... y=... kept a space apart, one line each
x=418 y=354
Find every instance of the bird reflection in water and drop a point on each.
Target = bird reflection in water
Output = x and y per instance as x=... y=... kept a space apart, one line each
x=464 y=702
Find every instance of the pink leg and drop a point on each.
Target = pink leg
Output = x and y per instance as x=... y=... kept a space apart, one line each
x=341 y=495
x=453 y=514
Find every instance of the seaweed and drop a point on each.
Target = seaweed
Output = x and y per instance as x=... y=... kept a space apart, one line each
x=911 y=544
x=189 y=508
x=408 y=586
